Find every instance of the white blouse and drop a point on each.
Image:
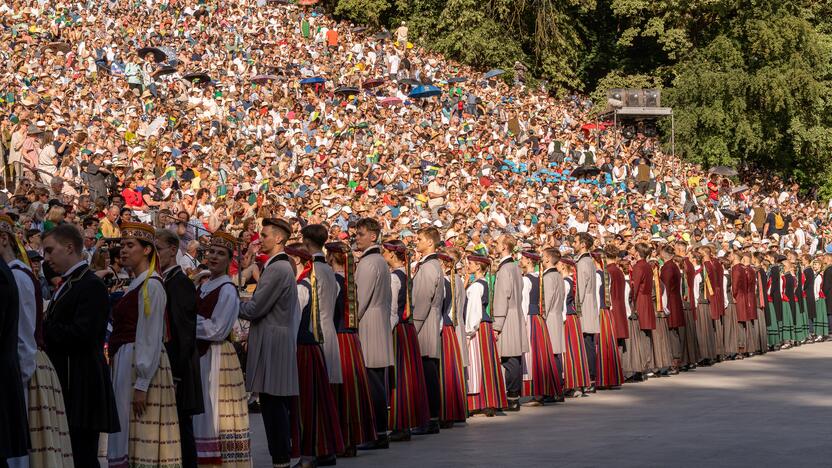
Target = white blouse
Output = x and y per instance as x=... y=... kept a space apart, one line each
x=219 y=326
x=150 y=329
x=473 y=308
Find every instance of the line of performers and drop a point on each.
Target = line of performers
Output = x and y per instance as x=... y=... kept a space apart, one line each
x=350 y=352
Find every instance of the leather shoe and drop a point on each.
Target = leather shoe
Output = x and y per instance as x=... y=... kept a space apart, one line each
x=431 y=428
x=327 y=461
x=382 y=442
x=400 y=436
x=513 y=405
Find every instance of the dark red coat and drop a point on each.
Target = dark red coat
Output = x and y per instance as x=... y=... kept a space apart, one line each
x=739 y=291
x=690 y=277
x=717 y=298
x=641 y=294
x=671 y=277
x=751 y=281
x=619 y=306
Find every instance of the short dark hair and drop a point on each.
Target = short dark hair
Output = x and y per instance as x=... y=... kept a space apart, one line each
x=643 y=249
x=279 y=223
x=369 y=224
x=431 y=233
x=68 y=234
x=315 y=233
x=552 y=253
x=611 y=251
x=167 y=236
x=586 y=239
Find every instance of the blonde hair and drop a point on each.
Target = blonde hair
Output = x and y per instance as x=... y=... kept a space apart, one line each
x=55 y=214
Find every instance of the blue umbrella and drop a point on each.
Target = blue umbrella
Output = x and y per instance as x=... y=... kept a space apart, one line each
x=313 y=80
x=492 y=73
x=425 y=91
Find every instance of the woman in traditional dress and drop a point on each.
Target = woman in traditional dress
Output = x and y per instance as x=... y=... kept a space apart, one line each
x=486 y=387
x=660 y=336
x=821 y=327
x=702 y=290
x=222 y=430
x=788 y=284
x=454 y=408
x=142 y=380
x=355 y=403
x=315 y=415
x=610 y=373
x=575 y=366
x=409 y=396
x=730 y=324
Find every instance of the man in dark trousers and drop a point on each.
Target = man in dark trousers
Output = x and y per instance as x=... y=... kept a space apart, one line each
x=14 y=433
x=826 y=285
x=73 y=329
x=184 y=359
x=509 y=322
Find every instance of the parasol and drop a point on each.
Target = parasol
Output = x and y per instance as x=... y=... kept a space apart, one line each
x=58 y=47
x=263 y=79
x=586 y=171
x=347 y=90
x=410 y=82
x=723 y=171
x=159 y=55
x=313 y=81
x=197 y=77
x=492 y=73
x=421 y=92
x=458 y=79
x=372 y=83
x=390 y=101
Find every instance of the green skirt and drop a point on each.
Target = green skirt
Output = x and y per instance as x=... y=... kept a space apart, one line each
x=801 y=324
x=787 y=325
x=775 y=337
x=821 y=319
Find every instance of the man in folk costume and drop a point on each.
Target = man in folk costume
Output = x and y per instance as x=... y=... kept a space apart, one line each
x=575 y=366
x=618 y=299
x=408 y=396
x=608 y=360
x=541 y=380
x=486 y=387
x=454 y=407
x=739 y=295
x=671 y=277
x=799 y=309
x=774 y=289
x=660 y=336
x=635 y=353
x=181 y=348
x=553 y=297
x=428 y=295
x=821 y=325
x=142 y=380
x=314 y=416
x=826 y=287
x=49 y=434
x=761 y=301
x=730 y=326
x=272 y=365
x=705 y=330
x=809 y=297
x=588 y=309
x=755 y=334
x=713 y=284
x=788 y=285
x=687 y=335
x=509 y=324
x=372 y=280
x=14 y=433
x=74 y=328
x=355 y=404
x=222 y=430
x=643 y=300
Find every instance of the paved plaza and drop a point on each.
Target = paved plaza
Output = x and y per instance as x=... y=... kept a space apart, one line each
x=772 y=410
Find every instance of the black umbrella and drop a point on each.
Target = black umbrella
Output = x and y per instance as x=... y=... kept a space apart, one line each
x=458 y=79
x=586 y=171
x=164 y=71
x=58 y=47
x=724 y=171
x=372 y=83
x=410 y=82
x=383 y=35
x=159 y=55
x=197 y=77
x=359 y=29
x=347 y=90
x=263 y=79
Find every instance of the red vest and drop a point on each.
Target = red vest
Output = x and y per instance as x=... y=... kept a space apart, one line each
x=205 y=308
x=126 y=318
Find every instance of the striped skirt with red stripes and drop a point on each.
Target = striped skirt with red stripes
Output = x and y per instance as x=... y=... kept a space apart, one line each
x=544 y=379
x=409 y=397
x=610 y=373
x=452 y=378
x=316 y=430
x=485 y=374
x=353 y=396
x=575 y=367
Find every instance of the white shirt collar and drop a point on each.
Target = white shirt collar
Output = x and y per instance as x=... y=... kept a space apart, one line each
x=73 y=268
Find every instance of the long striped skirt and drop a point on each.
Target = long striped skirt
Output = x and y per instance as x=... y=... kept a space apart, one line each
x=787 y=331
x=762 y=332
x=636 y=353
x=317 y=429
x=575 y=367
x=48 y=428
x=543 y=378
x=660 y=336
x=690 y=347
x=355 y=404
x=486 y=387
x=821 y=319
x=452 y=378
x=731 y=330
x=774 y=330
x=608 y=360
x=151 y=439
x=705 y=332
x=801 y=324
x=409 y=397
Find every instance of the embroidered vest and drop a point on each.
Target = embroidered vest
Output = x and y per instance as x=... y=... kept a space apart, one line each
x=205 y=308
x=126 y=319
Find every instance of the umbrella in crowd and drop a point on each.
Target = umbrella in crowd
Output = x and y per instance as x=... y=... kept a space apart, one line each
x=586 y=171
x=313 y=81
x=58 y=47
x=263 y=79
x=158 y=54
x=307 y=2
x=347 y=90
x=197 y=77
x=383 y=35
x=724 y=171
x=390 y=101
x=162 y=71
x=410 y=82
x=421 y=92
x=493 y=73
x=458 y=79
x=372 y=83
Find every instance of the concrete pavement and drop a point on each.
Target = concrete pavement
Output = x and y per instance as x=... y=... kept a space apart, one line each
x=771 y=410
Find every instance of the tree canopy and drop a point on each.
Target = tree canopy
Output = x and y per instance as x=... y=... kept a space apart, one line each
x=749 y=80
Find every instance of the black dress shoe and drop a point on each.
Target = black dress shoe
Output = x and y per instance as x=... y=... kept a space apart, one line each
x=446 y=424
x=431 y=428
x=590 y=389
x=400 y=436
x=489 y=412
x=348 y=452
x=382 y=442
x=327 y=461
x=513 y=405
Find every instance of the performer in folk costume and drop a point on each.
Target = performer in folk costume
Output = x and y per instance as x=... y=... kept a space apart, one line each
x=48 y=431
x=355 y=404
x=774 y=287
x=314 y=415
x=372 y=281
x=408 y=396
x=788 y=285
x=743 y=288
x=608 y=361
x=541 y=380
x=142 y=379
x=452 y=376
x=553 y=298
x=670 y=276
x=824 y=295
x=712 y=288
x=507 y=310
x=687 y=334
x=272 y=364
x=730 y=326
x=753 y=341
x=618 y=299
x=222 y=430
x=74 y=328
x=761 y=300
x=575 y=367
x=181 y=347
x=589 y=310
x=643 y=300
x=13 y=421
x=660 y=336
x=705 y=338
x=817 y=315
x=806 y=295
x=636 y=354
x=486 y=387
x=428 y=295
